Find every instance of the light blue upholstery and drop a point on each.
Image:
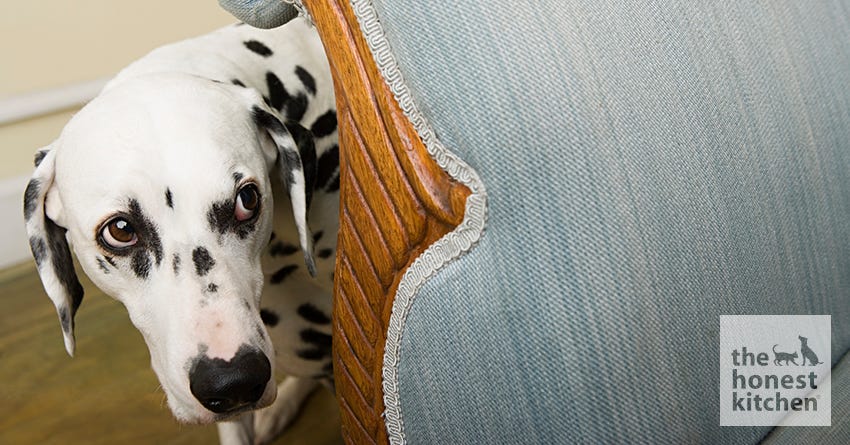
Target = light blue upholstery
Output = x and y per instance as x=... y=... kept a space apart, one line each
x=649 y=166
x=260 y=13
x=839 y=433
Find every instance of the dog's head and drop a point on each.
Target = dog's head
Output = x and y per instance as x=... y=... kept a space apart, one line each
x=163 y=186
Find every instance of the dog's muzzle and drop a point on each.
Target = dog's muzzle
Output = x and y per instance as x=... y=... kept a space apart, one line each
x=228 y=386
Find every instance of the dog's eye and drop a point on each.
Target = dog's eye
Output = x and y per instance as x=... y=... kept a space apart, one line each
x=247 y=202
x=119 y=234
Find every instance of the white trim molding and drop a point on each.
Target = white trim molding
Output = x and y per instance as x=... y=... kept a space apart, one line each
x=38 y=103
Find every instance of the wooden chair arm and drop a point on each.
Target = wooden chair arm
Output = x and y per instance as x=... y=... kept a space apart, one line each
x=395 y=202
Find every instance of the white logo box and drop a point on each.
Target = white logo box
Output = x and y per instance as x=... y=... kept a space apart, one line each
x=769 y=377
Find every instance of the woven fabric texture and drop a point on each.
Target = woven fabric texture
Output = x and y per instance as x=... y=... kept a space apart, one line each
x=649 y=167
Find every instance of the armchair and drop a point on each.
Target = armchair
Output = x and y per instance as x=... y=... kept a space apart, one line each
x=547 y=206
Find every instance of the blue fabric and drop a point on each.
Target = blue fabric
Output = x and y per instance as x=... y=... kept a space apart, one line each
x=649 y=167
x=839 y=433
x=260 y=13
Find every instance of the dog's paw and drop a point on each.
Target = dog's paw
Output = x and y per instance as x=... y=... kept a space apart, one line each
x=269 y=423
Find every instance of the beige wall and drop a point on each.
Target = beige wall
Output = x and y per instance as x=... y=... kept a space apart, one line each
x=52 y=43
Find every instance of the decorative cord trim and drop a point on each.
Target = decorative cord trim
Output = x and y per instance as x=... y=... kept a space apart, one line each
x=448 y=248
x=302 y=11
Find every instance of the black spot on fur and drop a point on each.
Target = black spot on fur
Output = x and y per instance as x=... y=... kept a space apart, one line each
x=212 y=288
x=149 y=244
x=306 y=78
x=169 y=199
x=312 y=314
x=141 y=263
x=66 y=320
x=267 y=101
x=175 y=263
x=39 y=156
x=221 y=219
x=203 y=261
x=147 y=232
x=312 y=353
x=303 y=142
x=278 y=96
x=31 y=198
x=307 y=151
x=258 y=48
x=265 y=120
x=63 y=265
x=246 y=304
x=296 y=107
x=318 y=236
x=316 y=338
x=281 y=274
x=328 y=164
x=324 y=124
x=333 y=185
x=220 y=216
x=101 y=263
x=269 y=318
x=237 y=82
x=39 y=249
x=290 y=165
x=325 y=253
x=110 y=260
x=282 y=249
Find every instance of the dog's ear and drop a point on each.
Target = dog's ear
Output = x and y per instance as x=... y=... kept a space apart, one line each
x=295 y=162
x=50 y=247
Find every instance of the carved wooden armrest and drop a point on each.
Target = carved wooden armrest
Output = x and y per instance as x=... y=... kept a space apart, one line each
x=395 y=202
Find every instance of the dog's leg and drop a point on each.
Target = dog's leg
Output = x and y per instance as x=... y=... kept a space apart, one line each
x=239 y=431
x=291 y=394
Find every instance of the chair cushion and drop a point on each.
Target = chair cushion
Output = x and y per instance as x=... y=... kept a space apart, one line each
x=840 y=430
x=648 y=167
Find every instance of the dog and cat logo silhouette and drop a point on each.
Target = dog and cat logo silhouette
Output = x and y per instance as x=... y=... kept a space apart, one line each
x=788 y=358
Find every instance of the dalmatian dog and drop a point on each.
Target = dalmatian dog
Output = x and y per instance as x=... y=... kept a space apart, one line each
x=200 y=189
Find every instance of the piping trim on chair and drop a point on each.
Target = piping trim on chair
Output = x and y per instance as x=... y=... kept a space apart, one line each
x=266 y=14
x=302 y=11
x=446 y=249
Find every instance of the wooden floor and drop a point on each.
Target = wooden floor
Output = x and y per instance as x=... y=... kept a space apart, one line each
x=107 y=393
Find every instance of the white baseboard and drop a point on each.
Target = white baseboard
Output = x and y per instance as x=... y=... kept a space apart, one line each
x=14 y=247
x=38 y=103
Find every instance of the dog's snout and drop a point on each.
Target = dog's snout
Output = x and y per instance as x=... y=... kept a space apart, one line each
x=224 y=386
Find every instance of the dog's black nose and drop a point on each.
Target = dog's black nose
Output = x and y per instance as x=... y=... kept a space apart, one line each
x=224 y=386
